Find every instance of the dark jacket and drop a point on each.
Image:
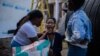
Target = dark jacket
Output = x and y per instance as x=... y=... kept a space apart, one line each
x=57 y=46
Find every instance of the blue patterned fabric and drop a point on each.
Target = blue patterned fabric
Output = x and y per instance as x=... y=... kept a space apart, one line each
x=79 y=27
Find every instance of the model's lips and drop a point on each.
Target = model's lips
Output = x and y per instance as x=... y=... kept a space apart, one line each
x=49 y=28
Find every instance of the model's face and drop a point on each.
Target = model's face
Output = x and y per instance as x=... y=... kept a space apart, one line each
x=50 y=24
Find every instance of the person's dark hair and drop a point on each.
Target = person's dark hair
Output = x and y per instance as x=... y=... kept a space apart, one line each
x=35 y=14
x=20 y=23
x=31 y=15
x=52 y=19
x=78 y=3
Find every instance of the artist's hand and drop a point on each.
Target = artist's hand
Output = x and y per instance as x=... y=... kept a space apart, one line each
x=43 y=35
x=74 y=41
x=83 y=42
x=45 y=32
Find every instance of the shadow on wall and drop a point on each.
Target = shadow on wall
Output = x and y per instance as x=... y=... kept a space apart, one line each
x=92 y=8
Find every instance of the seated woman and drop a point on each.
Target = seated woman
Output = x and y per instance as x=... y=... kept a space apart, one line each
x=54 y=37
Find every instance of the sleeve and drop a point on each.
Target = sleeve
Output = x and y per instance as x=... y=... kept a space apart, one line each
x=29 y=30
x=58 y=45
x=78 y=30
x=58 y=42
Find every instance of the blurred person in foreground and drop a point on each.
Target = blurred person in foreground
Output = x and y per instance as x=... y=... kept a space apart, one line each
x=78 y=32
